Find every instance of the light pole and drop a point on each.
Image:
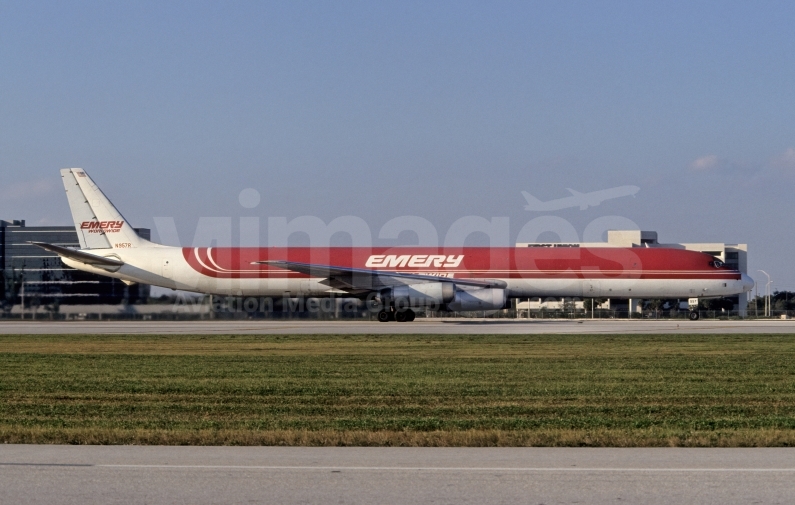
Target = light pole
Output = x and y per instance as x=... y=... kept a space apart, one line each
x=767 y=294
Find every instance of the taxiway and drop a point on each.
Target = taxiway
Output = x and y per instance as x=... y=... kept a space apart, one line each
x=55 y=475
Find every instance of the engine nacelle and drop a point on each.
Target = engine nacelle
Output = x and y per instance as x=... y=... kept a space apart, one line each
x=426 y=294
x=478 y=299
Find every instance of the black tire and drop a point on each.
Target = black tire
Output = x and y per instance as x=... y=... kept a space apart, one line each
x=693 y=315
x=410 y=315
x=401 y=316
x=383 y=316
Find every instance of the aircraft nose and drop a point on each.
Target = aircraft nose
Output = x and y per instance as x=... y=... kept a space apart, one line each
x=747 y=283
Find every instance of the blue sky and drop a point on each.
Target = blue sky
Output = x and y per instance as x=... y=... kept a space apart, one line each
x=434 y=109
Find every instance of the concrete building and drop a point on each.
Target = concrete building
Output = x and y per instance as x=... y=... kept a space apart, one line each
x=33 y=276
x=734 y=255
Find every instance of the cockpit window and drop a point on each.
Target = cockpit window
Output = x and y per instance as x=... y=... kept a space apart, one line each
x=716 y=263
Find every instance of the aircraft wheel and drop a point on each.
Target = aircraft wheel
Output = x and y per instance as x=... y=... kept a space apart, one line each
x=401 y=316
x=383 y=316
x=694 y=315
x=410 y=315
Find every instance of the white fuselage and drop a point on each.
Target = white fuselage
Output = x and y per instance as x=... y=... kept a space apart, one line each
x=167 y=267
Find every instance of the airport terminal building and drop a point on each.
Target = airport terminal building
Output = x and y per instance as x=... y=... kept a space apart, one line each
x=735 y=256
x=35 y=277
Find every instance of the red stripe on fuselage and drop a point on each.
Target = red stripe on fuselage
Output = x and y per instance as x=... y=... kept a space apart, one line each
x=478 y=262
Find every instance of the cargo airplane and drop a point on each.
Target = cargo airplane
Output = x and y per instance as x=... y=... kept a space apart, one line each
x=398 y=280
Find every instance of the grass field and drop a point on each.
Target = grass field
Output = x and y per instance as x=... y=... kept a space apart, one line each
x=556 y=390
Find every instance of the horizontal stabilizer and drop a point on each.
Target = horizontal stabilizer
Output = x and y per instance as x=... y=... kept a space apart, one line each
x=82 y=257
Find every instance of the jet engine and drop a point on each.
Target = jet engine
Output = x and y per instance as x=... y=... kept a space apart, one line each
x=426 y=294
x=478 y=299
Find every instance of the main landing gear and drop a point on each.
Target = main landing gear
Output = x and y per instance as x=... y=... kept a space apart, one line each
x=693 y=304
x=401 y=316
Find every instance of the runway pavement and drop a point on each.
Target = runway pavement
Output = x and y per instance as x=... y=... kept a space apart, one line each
x=31 y=474
x=420 y=326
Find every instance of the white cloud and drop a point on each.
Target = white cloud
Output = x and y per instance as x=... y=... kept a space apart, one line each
x=785 y=160
x=26 y=190
x=708 y=162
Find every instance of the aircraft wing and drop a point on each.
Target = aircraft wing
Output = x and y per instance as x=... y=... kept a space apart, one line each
x=82 y=257
x=365 y=280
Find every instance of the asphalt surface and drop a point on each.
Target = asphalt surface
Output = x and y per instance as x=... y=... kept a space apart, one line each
x=34 y=474
x=420 y=326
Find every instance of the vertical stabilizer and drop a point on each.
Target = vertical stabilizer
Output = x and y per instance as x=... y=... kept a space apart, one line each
x=99 y=225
